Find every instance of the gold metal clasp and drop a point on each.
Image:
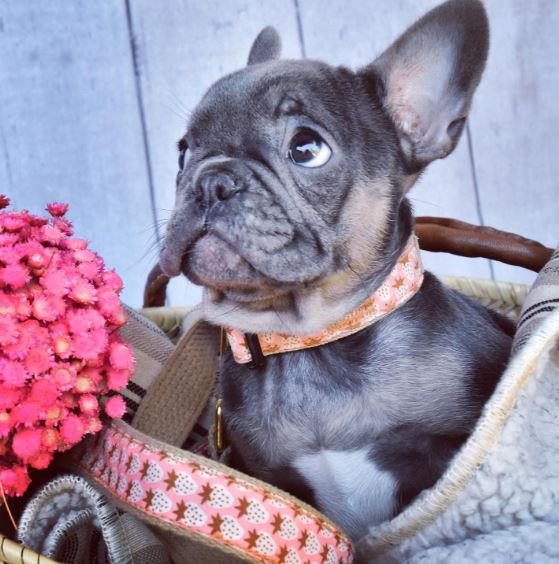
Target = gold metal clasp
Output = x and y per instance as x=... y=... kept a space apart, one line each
x=218 y=428
x=218 y=421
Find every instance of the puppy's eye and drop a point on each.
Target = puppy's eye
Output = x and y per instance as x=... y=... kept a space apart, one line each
x=308 y=149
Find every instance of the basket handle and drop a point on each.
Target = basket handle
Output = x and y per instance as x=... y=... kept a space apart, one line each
x=436 y=234
x=441 y=234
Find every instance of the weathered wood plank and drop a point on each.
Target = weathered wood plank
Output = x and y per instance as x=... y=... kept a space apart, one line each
x=515 y=123
x=69 y=127
x=182 y=48
x=353 y=33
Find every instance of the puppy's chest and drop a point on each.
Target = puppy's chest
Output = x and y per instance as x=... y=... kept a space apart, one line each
x=297 y=405
x=296 y=415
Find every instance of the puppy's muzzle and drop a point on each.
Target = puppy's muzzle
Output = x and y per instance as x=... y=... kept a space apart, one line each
x=219 y=180
x=216 y=187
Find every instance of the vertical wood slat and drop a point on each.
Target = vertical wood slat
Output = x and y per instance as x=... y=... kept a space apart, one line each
x=354 y=33
x=69 y=125
x=182 y=49
x=515 y=124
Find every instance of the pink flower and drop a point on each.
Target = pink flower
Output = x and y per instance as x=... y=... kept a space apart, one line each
x=44 y=392
x=112 y=280
x=8 y=303
x=84 y=385
x=6 y=423
x=99 y=339
x=13 y=374
x=108 y=301
x=59 y=350
x=50 y=439
x=57 y=209
x=11 y=254
x=89 y=404
x=23 y=308
x=64 y=376
x=36 y=221
x=8 y=238
x=15 y=480
x=9 y=331
x=48 y=307
x=118 y=318
x=84 y=320
x=64 y=225
x=12 y=221
x=37 y=334
x=83 y=292
x=26 y=412
x=72 y=429
x=38 y=361
x=41 y=460
x=4 y=201
x=14 y=275
x=117 y=379
x=36 y=254
x=84 y=255
x=115 y=407
x=50 y=234
x=121 y=357
x=62 y=346
x=56 y=282
x=9 y=397
x=74 y=244
x=18 y=349
x=27 y=443
x=82 y=347
x=93 y=425
x=69 y=400
x=89 y=270
x=53 y=414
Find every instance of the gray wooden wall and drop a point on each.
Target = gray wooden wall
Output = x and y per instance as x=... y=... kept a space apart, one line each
x=94 y=95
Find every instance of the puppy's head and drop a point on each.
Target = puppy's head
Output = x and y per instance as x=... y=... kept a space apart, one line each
x=293 y=174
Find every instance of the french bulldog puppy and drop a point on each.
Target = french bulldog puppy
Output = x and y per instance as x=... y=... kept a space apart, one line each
x=291 y=210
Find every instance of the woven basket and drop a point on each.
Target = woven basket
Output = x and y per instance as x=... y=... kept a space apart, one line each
x=501 y=296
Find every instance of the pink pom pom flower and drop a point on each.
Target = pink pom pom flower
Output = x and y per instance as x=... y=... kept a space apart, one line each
x=60 y=351
x=56 y=209
x=115 y=407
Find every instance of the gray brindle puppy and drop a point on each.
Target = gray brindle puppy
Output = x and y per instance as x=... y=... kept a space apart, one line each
x=291 y=210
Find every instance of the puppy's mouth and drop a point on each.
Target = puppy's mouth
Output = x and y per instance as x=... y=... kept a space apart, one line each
x=215 y=264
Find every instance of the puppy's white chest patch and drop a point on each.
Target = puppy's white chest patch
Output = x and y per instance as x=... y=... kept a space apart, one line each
x=349 y=488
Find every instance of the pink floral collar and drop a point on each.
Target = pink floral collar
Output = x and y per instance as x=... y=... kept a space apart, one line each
x=402 y=283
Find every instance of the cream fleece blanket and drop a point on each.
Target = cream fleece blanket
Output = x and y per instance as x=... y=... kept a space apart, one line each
x=499 y=499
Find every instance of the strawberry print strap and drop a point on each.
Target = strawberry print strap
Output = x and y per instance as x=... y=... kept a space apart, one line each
x=183 y=491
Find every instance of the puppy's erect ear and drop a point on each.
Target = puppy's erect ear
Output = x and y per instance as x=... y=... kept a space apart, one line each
x=429 y=75
x=266 y=47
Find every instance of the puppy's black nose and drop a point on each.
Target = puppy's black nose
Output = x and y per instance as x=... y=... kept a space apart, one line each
x=217 y=186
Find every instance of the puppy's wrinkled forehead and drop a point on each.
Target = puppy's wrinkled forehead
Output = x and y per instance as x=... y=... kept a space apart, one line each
x=250 y=102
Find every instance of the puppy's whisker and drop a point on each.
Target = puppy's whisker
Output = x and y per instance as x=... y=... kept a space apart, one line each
x=232 y=310
x=152 y=228
x=277 y=314
x=175 y=105
x=152 y=252
x=426 y=202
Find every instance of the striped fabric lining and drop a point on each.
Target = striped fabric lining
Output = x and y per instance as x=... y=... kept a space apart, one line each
x=542 y=299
